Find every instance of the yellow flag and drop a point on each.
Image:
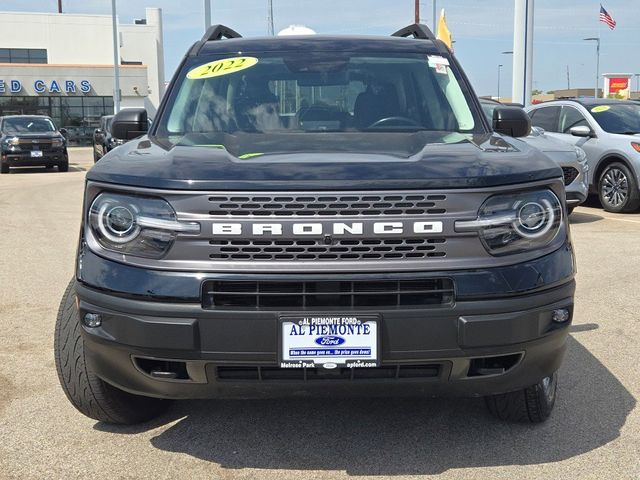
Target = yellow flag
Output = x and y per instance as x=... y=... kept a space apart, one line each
x=443 y=31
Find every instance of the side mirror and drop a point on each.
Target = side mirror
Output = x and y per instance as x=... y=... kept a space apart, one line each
x=64 y=132
x=581 y=131
x=129 y=123
x=511 y=121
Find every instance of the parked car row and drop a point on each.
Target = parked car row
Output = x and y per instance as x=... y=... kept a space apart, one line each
x=596 y=142
x=570 y=158
x=34 y=140
x=609 y=133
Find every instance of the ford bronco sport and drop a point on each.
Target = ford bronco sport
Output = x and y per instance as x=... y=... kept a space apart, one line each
x=325 y=214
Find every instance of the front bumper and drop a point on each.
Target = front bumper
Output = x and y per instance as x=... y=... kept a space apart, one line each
x=578 y=190
x=434 y=349
x=24 y=159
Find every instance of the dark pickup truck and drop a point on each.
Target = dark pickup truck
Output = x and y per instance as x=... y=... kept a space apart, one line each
x=321 y=214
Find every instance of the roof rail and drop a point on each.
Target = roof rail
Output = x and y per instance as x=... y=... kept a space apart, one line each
x=218 y=32
x=417 y=30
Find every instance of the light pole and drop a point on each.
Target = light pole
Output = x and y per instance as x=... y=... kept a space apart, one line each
x=499 y=69
x=116 y=58
x=523 y=27
x=207 y=14
x=435 y=16
x=509 y=52
x=270 y=19
x=597 y=40
x=637 y=75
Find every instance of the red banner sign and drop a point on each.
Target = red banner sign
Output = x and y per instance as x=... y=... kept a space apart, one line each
x=618 y=84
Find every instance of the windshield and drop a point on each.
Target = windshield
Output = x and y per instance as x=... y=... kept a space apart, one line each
x=313 y=93
x=623 y=118
x=27 y=125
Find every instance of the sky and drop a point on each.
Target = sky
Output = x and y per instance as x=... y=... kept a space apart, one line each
x=482 y=30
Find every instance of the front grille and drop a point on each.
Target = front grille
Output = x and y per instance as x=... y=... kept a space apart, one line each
x=397 y=372
x=570 y=174
x=310 y=250
x=326 y=205
x=28 y=145
x=310 y=294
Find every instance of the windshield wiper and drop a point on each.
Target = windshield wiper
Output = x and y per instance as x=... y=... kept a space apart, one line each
x=629 y=133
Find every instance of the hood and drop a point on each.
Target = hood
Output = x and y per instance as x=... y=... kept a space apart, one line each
x=547 y=144
x=424 y=160
x=35 y=135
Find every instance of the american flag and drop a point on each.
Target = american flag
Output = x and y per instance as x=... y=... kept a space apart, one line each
x=606 y=18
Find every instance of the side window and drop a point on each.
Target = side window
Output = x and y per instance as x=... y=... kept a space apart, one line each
x=571 y=117
x=546 y=118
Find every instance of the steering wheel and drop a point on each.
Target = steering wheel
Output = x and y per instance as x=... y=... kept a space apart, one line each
x=400 y=120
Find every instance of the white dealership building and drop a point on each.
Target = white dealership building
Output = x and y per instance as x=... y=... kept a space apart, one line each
x=61 y=65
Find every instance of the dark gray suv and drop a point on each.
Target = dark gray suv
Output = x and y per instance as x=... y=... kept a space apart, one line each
x=318 y=214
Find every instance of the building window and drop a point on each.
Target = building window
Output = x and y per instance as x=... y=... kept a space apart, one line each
x=23 y=55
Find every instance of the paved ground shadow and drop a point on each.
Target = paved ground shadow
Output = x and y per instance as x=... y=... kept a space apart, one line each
x=582 y=217
x=397 y=436
x=73 y=167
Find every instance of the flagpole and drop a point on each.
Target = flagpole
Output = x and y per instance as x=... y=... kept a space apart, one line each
x=598 y=55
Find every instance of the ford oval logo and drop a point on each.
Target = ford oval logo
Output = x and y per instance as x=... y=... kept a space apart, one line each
x=330 y=340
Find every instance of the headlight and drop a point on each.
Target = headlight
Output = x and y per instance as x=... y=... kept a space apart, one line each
x=116 y=141
x=517 y=222
x=139 y=226
x=581 y=155
x=57 y=142
x=13 y=141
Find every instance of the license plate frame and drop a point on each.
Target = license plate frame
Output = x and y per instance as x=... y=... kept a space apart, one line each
x=36 y=153
x=351 y=350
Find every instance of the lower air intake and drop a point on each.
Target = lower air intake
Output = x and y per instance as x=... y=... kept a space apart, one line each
x=304 y=294
x=265 y=374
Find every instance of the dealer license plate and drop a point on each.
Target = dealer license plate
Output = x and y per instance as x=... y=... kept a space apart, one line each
x=36 y=153
x=329 y=341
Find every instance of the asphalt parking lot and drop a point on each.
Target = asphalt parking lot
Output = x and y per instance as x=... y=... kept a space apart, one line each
x=593 y=433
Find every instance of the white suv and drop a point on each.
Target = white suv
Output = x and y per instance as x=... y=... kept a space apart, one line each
x=609 y=133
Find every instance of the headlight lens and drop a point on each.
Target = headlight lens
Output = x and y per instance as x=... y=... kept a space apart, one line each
x=518 y=222
x=13 y=141
x=139 y=226
x=57 y=142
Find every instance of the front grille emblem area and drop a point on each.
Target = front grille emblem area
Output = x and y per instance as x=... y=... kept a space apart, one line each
x=328 y=227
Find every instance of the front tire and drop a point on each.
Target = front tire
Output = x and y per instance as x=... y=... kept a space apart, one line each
x=64 y=165
x=533 y=404
x=91 y=395
x=618 y=189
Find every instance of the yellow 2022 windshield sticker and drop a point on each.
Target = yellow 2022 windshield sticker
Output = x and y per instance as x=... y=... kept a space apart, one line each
x=600 y=108
x=221 y=67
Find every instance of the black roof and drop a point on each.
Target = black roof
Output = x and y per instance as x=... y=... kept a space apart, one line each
x=319 y=42
x=416 y=38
